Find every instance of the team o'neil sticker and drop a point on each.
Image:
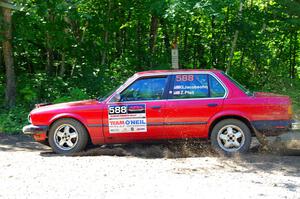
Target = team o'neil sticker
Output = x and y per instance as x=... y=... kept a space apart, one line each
x=129 y=118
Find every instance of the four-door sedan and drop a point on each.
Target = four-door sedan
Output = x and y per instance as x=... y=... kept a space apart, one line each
x=170 y=104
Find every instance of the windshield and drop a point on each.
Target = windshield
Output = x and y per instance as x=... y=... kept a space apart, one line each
x=113 y=90
x=108 y=94
x=245 y=90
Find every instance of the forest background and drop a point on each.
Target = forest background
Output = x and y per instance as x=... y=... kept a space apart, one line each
x=65 y=50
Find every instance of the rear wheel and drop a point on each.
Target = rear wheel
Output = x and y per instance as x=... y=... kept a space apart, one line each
x=231 y=136
x=67 y=136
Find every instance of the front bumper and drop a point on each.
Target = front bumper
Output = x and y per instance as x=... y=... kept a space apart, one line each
x=33 y=130
x=295 y=125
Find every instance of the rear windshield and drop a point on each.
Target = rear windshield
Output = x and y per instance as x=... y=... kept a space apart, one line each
x=245 y=90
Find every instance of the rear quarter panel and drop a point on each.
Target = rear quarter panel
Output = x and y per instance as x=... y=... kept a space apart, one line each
x=251 y=107
x=259 y=108
x=237 y=103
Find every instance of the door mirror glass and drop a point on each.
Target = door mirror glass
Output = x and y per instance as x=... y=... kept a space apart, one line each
x=117 y=97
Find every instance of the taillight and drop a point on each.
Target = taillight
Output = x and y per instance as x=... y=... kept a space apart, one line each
x=290 y=110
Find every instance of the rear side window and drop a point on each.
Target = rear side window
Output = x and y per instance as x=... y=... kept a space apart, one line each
x=190 y=86
x=216 y=89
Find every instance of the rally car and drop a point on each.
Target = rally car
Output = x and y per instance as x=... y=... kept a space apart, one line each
x=165 y=105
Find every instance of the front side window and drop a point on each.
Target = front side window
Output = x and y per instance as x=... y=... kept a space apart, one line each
x=145 y=89
x=190 y=86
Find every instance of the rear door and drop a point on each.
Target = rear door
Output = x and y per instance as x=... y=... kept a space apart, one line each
x=140 y=113
x=194 y=98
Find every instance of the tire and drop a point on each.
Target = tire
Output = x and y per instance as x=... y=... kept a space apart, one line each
x=230 y=142
x=67 y=136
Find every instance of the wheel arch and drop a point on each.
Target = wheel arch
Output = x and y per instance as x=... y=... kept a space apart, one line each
x=230 y=116
x=69 y=116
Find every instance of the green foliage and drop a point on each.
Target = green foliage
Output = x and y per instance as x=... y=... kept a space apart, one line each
x=74 y=94
x=285 y=86
x=73 y=50
x=12 y=121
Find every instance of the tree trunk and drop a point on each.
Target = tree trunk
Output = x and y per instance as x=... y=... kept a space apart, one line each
x=212 y=45
x=290 y=56
x=10 y=92
x=294 y=71
x=153 y=33
x=139 y=45
x=62 y=65
x=49 y=50
x=293 y=54
x=166 y=36
x=233 y=45
x=104 y=51
x=185 y=41
x=106 y=34
x=49 y=55
x=126 y=41
x=2 y=67
x=194 y=44
x=226 y=30
x=242 y=58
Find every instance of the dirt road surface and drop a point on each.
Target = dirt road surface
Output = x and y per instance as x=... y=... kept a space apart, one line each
x=31 y=170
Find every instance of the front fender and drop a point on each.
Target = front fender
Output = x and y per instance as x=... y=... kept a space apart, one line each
x=68 y=115
x=95 y=133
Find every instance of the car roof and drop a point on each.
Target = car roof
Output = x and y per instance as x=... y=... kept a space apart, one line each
x=157 y=72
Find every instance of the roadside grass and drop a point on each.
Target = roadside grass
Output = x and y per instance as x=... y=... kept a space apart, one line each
x=13 y=120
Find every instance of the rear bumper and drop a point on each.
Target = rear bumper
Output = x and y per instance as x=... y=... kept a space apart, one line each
x=33 y=130
x=275 y=127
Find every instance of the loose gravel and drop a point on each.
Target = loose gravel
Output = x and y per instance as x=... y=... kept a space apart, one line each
x=31 y=170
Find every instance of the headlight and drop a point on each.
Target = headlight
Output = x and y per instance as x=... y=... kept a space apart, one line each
x=29 y=119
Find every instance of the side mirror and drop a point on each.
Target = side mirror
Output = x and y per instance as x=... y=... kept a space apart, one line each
x=117 y=97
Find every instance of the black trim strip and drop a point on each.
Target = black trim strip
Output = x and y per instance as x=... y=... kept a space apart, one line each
x=157 y=124
x=95 y=125
x=185 y=123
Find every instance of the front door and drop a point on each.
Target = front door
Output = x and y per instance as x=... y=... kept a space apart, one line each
x=139 y=114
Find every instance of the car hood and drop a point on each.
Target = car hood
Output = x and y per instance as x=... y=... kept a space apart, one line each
x=50 y=107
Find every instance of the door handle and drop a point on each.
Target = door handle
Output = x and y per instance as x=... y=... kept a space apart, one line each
x=212 y=105
x=156 y=107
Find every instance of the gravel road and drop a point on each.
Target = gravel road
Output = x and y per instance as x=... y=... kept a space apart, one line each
x=30 y=170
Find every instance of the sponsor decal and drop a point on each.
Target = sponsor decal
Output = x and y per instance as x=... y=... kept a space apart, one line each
x=128 y=118
x=185 y=85
x=184 y=78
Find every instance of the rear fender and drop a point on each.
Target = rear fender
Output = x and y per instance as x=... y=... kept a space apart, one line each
x=227 y=114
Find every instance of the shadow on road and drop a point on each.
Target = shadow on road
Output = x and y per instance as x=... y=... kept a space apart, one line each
x=256 y=160
x=19 y=143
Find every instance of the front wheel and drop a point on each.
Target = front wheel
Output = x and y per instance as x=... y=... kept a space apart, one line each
x=67 y=136
x=231 y=136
